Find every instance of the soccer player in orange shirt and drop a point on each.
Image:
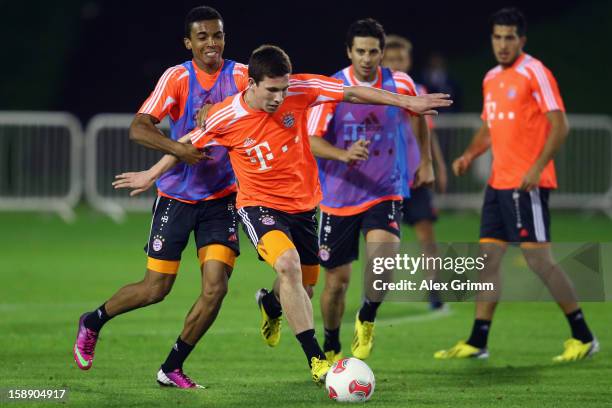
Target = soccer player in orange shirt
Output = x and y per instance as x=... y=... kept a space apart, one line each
x=189 y=198
x=264 y=130
x=524 y=124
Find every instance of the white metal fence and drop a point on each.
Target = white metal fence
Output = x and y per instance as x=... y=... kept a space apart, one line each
x=41 y=158
x=583 y=165
x=40 y=162
x=109 y=152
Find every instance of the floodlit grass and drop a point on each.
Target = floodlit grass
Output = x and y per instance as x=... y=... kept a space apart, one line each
x=52 y=272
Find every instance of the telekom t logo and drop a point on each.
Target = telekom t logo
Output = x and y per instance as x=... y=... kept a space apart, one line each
x=261 y=155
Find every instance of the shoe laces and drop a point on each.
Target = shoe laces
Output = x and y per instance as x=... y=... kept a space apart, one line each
x=183 y=377
x=90 y=341
x=317 y=364
x=456 y=349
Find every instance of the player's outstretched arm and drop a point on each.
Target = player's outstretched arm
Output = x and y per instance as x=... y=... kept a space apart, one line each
x=144 y=132
x=423 y=104
x=480 y=144
x=356 y=152
x=141 y=181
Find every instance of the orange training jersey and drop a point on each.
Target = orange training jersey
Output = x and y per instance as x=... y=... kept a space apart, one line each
x=270 y=152
x=172 y=89
x=516 y=100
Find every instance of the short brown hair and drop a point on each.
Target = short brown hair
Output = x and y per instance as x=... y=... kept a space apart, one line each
x=397 y=42
x=268 y=61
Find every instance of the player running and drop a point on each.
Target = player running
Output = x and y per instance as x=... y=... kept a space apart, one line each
x=362 y=152
x=196 y=195
x=524 y=124
x=264 y=130
x=419 y=211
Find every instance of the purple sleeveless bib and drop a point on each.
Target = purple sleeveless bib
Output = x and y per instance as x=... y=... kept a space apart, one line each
x=386 y=171
x=195 y=183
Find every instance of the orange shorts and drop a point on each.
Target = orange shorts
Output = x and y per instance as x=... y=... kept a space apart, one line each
x=213 y=252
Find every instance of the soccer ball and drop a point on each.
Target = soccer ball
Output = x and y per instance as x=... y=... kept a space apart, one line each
x=350 y=380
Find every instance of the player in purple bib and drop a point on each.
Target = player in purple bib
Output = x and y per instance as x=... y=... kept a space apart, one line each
x=363 y=167
x=419 y=212
x=198 y=196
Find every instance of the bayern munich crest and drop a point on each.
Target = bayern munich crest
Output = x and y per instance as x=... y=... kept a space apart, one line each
x=324 y=253
x=288 y=120
x=267 y=220
x=157 y=244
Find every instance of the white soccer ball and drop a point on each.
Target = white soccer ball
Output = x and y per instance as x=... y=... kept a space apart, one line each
x=350 y=380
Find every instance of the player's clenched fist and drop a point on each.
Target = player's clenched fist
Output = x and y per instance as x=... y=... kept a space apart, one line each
x=189 y=154
x=461 y=166
x=358 y=151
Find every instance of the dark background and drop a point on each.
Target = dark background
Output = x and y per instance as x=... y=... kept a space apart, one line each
x=88 y=57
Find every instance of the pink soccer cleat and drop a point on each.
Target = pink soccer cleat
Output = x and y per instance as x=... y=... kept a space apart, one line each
x=176 y=378
x=84 y=345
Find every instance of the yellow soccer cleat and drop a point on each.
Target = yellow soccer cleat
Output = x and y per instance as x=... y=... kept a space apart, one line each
x=575 y=350
x=319 y=369
x=332 y=356
x=363 y=339
x=462 y=350
x=270 y=328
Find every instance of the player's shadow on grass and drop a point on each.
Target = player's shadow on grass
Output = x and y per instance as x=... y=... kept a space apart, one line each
x=462 y=374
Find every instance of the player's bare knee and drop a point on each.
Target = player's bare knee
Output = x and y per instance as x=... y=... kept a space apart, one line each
x=492 y=263
x=158 y=290
x=288 y=267
x=216 y=291
x=539 y=262
x=156 y=294
x=337 y=281
x=338 y=291
x=292 y=276
x=156 y=286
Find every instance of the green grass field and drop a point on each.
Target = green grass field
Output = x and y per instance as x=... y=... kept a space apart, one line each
x=52 y=272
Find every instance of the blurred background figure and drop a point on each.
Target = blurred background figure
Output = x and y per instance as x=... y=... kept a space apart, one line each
x=436 y=78
x=418 y=209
